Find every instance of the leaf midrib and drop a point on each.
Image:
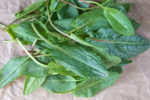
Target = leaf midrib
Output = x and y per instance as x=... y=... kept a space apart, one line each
x=117 y=20
x=79 y=60
x=118 y=42
x=90 y=85
x=13 y=71
x=29 y=87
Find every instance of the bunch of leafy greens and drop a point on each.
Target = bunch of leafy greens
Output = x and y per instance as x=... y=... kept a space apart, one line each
x=79 y=46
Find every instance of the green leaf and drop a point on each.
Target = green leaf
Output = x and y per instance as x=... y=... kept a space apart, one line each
x=32 y=84
x=118 y=21
x=80 y=61
x=82 y=4
x=30 y=9
x=92 y=21
x=58 y=69
x=117 y=69
x=32 y=69
x=123 y=7
x=57 y=5
x=65 y=24
x=119 y=45
x=11 y=70
x=59 y=84
x=23 y=31
x=109 y=60
x=44 y=59
x=110 y=3
x=91 y=87
x=68 y=11
x=135 y=24
x=124 y=62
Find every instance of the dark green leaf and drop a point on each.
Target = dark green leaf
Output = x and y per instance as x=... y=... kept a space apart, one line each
x=32 y=84
x=117 y=69
x=68 y=11
x=124 y=62
x=109 y=60
x=59 y=84
x=135 y=24
x=119 y=45
x=123 y=7
x=82 y=4
x=45 y=59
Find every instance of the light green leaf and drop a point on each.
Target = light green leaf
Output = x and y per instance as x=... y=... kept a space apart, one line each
x=30 y=9
x=23 y=31
x=59 y=84
x=58 y=69
x=32 y=84
x=118 y=21
x=11 y=70
x=91 y=87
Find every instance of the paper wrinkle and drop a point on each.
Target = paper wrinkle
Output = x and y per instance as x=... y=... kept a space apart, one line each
x=134 y=83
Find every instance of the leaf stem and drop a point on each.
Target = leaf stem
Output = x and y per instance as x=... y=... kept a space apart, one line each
x=75 y=5
x=84 y=25
x=105 y=2
x=96 y=4
x=44 y=55
x=43 y=65
x=48 y=42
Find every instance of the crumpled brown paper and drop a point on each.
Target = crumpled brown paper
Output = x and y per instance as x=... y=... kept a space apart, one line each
x=134 y=83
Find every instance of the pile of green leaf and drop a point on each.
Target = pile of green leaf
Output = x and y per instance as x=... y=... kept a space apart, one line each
x=78 y=48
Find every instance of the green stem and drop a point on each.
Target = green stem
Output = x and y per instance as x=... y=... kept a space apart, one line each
x=96 y=4
x=2 y=26
x=45 y=40
x=7 y=41
x=10 y=24
x=105 y=2
x=76 y=6
x=44 y=55
x=57 y=28
x=84 y=25
x=43 y=65
x=48 y=42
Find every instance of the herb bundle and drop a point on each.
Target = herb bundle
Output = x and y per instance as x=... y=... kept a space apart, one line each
x=80 y=46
